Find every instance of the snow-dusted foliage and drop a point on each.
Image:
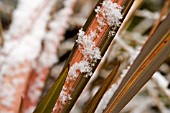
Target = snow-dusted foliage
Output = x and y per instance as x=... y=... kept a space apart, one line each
x=107 y=14
x=23 y=52
x=82 y=66
x=108 y=95
x=25 y=34
x=111 y=13
x=87 y=47
x=53 y=38
x=21 y=48
x=90 y=54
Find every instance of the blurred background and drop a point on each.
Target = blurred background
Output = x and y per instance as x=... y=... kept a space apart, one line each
x=37 y=36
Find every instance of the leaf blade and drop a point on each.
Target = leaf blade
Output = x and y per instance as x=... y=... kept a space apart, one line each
x=92 y=105
x=151 y=57
x=47 y=103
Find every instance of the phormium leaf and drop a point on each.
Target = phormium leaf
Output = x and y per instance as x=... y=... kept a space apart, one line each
x=47 y=103
x=152 y=55
x=93 y=103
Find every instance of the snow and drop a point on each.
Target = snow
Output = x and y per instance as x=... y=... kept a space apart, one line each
x=90 y=52
x=34 y=91
x=22 y=46
x=6 y=97
x=108 y=95
x=87 y=46
x=111 y=15
x=82 y=66
x=111 y=12
x=23 y=42
x=106 y=98
x=27 y=45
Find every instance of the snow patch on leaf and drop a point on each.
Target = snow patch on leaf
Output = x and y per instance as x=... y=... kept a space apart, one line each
x=111 y=12
x=111 y=15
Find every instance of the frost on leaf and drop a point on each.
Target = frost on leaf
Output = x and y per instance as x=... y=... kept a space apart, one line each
x=90 y=53
x=82 y=66
x=87 y=47
x=111 y=12
x=111 y=15
x=108 y=14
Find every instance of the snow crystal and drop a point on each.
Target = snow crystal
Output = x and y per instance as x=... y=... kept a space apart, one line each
x=64 y=88
x=69 y=97
x=81 y=33
x=108 y=95
x=63 y=96
x=101 y=23
x=23 y=44
x=55 y=107
x=90 y=55
x=48 y=56
x=86 y=45
x=111 y=12
x=82 y=66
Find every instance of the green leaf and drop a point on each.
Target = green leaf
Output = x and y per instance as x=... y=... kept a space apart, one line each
x=93 y=103
x=47 y=103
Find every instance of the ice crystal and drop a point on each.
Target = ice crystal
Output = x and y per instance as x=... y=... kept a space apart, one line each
x=64 y=96
x=90 y=55
x=55 y=107
x=111 y=15
x=86 y=45
x=82 y=66
x=101 y=23
x=111 y=12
